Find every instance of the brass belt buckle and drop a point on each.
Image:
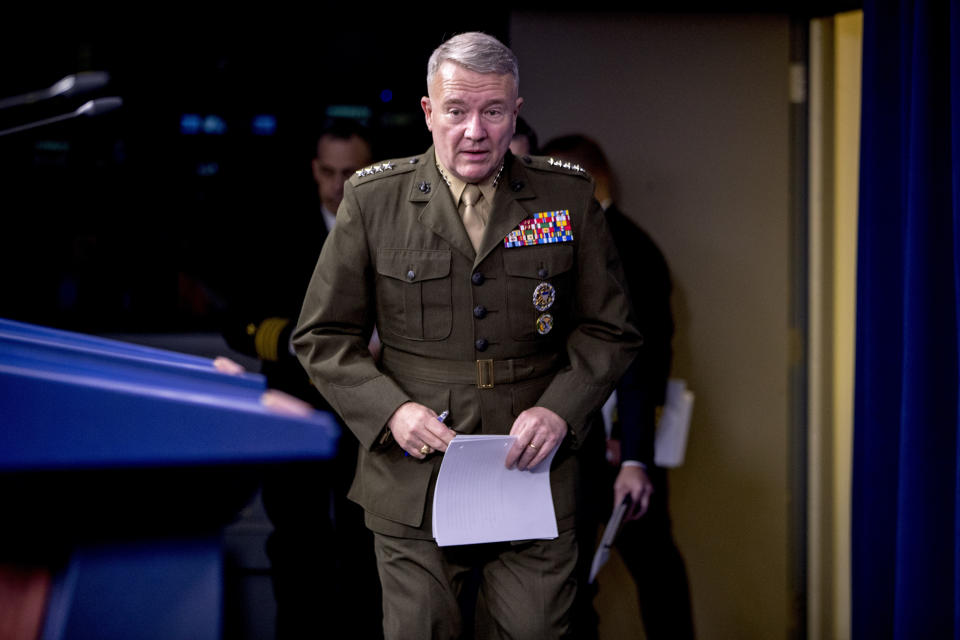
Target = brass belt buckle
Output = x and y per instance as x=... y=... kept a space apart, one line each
x=485 y=374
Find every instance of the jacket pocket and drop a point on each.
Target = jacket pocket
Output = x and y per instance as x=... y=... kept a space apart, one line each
x=414 y=296
x=526 y=268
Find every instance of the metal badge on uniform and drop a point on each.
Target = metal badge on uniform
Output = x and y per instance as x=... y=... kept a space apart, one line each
x=545 y=227
x=544 y=324
x=543 y=296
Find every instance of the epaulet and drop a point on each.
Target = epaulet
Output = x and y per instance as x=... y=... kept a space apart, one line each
x=384 y=169
x=546 y=163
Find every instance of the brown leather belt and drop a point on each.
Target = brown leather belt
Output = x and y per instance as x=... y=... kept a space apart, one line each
x=484 y=373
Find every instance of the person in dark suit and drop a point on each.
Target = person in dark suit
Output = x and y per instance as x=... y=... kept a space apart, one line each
x=320 y=553
x=495 y=287
x=645 y=541
x=524 y=141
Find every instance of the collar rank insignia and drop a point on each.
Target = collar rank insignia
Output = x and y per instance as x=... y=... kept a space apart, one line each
x=545 y=227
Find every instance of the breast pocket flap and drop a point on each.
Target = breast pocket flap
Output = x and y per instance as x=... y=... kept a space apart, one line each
x=409 y=265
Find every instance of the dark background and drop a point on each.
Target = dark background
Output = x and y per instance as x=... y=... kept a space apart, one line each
x=121 y=223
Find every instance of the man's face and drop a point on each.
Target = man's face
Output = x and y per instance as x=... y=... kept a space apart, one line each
x=336 y=160
x=472 y=117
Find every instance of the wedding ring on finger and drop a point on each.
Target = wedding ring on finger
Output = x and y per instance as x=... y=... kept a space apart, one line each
x=426 y=449
x=533 y=446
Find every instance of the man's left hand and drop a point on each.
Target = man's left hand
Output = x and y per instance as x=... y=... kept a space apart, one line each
x=633 y=480
x=539 y=430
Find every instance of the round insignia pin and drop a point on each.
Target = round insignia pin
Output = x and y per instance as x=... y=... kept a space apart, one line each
x=543 y=296
x=544 y=324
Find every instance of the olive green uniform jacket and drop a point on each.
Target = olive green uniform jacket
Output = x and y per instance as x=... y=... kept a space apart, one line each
x=399 y=257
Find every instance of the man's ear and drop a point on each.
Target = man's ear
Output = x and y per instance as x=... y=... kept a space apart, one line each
x=427 y=111
x=315 y=165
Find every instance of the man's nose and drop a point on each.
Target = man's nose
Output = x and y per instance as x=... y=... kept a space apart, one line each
x=475 y=129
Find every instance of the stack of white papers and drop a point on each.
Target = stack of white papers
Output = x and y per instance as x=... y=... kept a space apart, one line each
x=673 y=428
x=670 y=444
x=477 y=499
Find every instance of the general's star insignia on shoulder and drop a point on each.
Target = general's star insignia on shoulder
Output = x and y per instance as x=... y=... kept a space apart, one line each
x=565 y=165
x=545 y=227
x=375 y=168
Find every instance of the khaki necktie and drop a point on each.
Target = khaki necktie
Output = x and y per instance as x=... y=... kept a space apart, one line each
x=472 y=219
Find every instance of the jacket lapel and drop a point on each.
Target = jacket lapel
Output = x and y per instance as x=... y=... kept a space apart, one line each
x=507 y=211
x=439 y=213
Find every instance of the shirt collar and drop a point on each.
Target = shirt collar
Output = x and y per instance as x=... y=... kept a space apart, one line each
x=329 y=219
x=488 y=187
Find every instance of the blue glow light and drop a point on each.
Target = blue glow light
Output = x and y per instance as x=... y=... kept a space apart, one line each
x=190 y=124
x=264 y=125
x=386 y=95
x=214 y=125
x=357 y=112
x=208 y=169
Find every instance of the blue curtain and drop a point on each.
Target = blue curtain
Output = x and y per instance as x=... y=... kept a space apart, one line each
x=905 y=577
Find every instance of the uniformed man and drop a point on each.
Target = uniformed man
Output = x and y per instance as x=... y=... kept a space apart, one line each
x=499 y=297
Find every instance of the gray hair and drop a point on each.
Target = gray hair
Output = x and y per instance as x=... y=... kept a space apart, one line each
x=477 y=52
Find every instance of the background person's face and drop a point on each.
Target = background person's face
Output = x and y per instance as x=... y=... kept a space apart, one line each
x=336 y=160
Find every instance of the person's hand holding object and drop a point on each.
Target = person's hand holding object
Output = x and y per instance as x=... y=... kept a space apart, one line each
x=538 y=431
x=417 y=430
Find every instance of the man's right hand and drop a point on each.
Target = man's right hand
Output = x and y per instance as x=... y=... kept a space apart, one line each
x=414 y=425
x=633 y=480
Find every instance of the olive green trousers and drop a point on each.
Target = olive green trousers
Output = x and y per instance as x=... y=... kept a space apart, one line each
x=525 y=590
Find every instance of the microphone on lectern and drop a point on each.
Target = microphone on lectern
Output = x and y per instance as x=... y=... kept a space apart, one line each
x=95 y=107
x=99 y=106
x=72 y=85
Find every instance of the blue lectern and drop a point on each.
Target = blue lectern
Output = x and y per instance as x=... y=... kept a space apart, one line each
x=120 y=465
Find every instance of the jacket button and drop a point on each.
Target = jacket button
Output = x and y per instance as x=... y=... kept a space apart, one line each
x=480 y=311
x=482 y=344
x=477 y=278
x=411 y=274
